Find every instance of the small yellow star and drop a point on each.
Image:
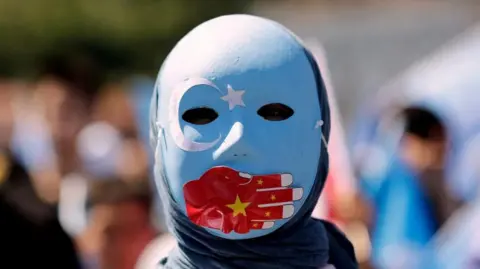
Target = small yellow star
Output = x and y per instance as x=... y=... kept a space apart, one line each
x=267 y=214
x=255 y=225
x=238 y=207
x=273 y=197
x=260 y=181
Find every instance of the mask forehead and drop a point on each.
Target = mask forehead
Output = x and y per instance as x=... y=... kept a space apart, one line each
x=235 y=65
x=235 y=48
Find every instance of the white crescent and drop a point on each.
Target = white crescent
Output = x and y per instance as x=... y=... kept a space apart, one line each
x=173 y=118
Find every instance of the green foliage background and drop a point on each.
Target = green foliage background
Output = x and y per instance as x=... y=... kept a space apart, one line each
x=124 y=36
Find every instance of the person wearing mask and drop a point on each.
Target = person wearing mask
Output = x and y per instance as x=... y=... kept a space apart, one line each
x=239 y=126
x=120 y=212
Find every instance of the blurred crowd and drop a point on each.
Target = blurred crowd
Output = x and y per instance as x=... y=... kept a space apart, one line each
x=414 y=152
x=76 y=186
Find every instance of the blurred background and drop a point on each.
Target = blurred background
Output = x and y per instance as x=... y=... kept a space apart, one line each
x=75 y=164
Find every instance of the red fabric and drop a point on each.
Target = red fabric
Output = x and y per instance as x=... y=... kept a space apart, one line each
x=329 y=191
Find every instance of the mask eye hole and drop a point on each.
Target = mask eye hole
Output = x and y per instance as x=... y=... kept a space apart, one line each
x=200 y=116
x=275 y=112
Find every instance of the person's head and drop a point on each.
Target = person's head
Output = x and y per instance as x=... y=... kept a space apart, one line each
x=104 y=151
x=424 y=143
x=121 y=212
x=242 y=112
x=132 y=198
x=239 y=126
x=64 y=111
x=65 y=92
x=114 y=105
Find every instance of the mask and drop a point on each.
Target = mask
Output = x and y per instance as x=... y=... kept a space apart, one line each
x=240 y=126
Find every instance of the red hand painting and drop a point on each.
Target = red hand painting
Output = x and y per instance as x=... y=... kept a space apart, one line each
x=228 y=200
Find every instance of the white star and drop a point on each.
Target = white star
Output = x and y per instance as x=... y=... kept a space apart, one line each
x=234 y=98
x=318 y=124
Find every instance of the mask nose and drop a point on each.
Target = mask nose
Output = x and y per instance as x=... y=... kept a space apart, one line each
x=234 y=145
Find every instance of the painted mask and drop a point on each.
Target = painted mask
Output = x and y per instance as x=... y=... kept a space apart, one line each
x=240 y=126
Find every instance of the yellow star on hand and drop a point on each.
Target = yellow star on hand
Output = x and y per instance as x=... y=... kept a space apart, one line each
x=273 y=197
x=260 y=182
x=267 y=214
x=238 y=207
x=255 y=225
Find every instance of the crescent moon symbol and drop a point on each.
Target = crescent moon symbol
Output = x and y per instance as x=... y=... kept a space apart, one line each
x=174 y=106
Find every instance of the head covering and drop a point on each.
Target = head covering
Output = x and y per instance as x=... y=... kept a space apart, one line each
x=301 y=241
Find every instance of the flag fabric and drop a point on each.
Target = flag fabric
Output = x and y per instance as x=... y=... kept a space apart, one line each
x=227 y=200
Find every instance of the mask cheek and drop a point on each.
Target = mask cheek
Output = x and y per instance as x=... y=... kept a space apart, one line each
x=182 y=167
x=202 y=133
x=191 y=133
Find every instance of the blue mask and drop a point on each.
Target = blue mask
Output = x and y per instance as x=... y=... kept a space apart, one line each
x=240 y=123
x=249 y=112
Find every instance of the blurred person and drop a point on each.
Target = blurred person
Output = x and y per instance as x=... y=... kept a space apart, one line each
x=47 y=126
x=427 y=173
x=66 y=106
x=114 y=105
x=456 y=246
x=48 y=121
x=113 y=145
x=106 y=156
x=414 y=201
x=424 y=149
x=31 y=235
x=99 y=147
x=140 y=94
x=105 y=151
x=133 y=163
x=240 y=138
x=120 y=222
